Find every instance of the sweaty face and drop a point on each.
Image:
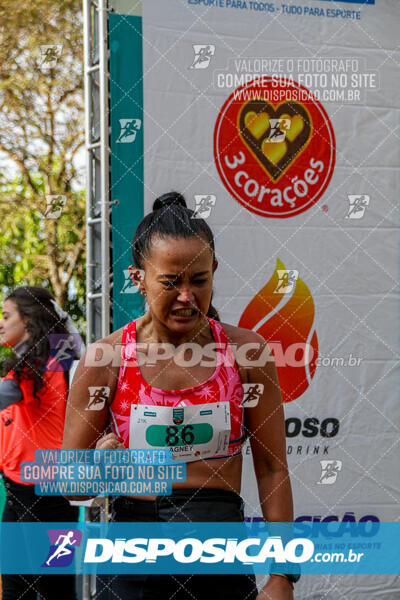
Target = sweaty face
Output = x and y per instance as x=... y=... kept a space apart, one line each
x=178 y=281
x=12 y=327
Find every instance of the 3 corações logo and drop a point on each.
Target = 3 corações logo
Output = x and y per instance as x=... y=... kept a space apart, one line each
x=275 y=158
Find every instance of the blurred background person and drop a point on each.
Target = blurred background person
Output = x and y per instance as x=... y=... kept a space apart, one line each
x=33 y=395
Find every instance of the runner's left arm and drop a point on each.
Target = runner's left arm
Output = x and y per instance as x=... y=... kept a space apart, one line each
x=266 y=428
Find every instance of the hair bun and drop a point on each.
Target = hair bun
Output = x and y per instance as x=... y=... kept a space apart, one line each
x=168 y=199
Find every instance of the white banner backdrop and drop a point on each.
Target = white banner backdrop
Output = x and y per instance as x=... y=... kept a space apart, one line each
x=306 y=223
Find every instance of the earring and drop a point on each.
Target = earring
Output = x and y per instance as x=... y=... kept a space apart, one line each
x=142 y=293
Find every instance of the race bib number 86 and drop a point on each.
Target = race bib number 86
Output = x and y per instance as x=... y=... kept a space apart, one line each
x=192 y=432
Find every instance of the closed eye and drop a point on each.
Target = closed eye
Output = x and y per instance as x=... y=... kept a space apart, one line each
x=172 y=284
x=169 y=284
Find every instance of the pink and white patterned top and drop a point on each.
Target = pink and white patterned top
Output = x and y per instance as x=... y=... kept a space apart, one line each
x=224 y=385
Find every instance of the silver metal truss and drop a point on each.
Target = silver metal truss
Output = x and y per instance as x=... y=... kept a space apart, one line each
x=98 y=302
x=98 y=213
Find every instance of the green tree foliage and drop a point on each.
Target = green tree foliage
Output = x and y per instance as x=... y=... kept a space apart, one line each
x=41 y=134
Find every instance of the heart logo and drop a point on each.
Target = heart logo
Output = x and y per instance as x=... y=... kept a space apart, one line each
x=275 y=135
x=274 y=147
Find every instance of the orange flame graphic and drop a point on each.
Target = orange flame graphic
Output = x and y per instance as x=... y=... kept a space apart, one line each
x=286 y=321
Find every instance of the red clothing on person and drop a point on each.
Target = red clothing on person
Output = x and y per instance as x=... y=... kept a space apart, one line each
x=28 y=425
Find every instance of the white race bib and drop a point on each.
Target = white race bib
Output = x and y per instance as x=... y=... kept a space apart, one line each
x=192 y=432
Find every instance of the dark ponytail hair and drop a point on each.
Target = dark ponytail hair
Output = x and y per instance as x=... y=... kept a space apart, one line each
x=35 y=307
x=170 y=218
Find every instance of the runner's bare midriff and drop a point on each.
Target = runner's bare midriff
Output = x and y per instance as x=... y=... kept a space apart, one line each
x=222 y=474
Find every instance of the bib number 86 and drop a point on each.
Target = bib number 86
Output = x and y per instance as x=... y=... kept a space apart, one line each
x=173 y=434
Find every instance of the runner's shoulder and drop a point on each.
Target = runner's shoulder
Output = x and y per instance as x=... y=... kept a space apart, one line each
x=95 y=349
x=102 y=358
x=240 y=335
x=114 y=338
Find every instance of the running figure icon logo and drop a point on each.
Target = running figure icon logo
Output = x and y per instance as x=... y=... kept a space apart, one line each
x=251 y=394
x=203 y=54
x=98 y=396
x=204 y=204
x=279 y=127
x=64 y=349
x=129 y=129
x=62 y=547
x=54 y=205
x=287 y=281
x=50 y=53
x=128 y=286
x=357 y=205
x=330 y=470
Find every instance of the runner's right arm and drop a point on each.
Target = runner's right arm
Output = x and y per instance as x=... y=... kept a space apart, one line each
x=85 y=425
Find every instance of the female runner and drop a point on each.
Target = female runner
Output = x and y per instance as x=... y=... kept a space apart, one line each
x=174 y=262
x=33 y=397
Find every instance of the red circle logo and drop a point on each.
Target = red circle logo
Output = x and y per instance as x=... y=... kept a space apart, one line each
x=274 y=147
